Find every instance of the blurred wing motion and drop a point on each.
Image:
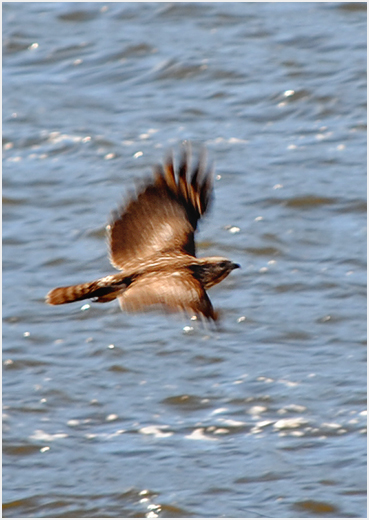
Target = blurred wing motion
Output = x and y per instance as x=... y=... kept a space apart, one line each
x=163 y=217
x=172 y=291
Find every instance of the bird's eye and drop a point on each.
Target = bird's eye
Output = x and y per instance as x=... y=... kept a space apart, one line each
x=223 y=264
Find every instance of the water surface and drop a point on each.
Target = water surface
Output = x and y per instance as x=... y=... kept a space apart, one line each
x=115 y=415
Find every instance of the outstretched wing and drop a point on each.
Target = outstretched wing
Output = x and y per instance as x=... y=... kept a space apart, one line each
x=163 y=217
x=173 y=292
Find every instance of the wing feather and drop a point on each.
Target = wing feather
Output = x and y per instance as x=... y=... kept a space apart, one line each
x=173 y=292
x=163 y=216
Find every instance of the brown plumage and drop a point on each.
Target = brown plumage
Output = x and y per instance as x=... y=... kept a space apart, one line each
x=152 y=243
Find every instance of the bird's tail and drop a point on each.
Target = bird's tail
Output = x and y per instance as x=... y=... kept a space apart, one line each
x=103 y=290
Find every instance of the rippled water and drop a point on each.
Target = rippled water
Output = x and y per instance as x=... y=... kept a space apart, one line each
x=115 y=415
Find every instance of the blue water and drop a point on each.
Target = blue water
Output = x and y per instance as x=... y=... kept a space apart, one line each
x=109 y=414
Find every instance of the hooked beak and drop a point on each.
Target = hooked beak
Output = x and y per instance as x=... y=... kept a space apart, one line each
x=236 y=266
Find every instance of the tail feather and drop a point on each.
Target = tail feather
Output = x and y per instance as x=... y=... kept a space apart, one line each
x=103 y=290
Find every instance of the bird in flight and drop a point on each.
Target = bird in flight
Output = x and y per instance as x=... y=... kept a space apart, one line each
x=151 y=242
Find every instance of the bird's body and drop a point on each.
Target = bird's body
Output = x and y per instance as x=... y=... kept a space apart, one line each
x=152 y=244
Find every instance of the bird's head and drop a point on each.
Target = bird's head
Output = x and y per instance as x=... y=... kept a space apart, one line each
x=212 y=270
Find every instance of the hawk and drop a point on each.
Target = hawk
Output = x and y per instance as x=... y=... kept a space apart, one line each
x=151 y=242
